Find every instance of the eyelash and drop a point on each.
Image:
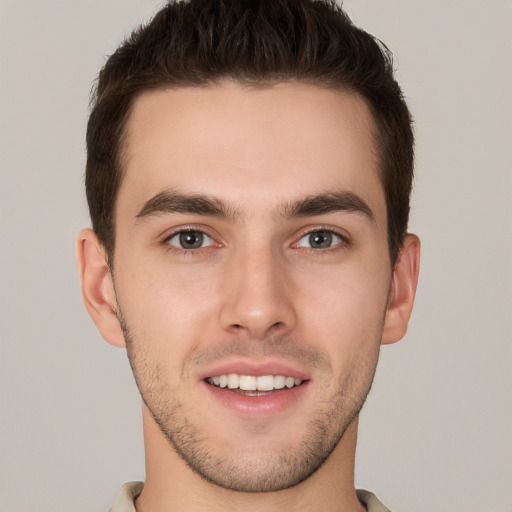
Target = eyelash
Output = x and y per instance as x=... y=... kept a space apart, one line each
x=343 y=242
x=181 y=250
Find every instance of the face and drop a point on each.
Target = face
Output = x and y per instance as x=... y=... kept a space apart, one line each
x=252 y=274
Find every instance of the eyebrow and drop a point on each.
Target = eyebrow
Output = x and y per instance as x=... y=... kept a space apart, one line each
x=330 y=202
x=170 y=201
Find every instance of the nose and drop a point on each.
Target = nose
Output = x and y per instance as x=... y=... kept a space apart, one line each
x=258 y=296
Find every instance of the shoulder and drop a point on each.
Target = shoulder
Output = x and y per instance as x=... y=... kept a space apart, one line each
x=125 y=501
x=370 y=501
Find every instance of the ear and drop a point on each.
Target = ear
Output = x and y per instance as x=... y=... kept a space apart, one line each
x=98 y=287
x=403 y=290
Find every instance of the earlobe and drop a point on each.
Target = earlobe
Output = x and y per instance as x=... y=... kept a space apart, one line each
x=97 y=287
x=403 y=290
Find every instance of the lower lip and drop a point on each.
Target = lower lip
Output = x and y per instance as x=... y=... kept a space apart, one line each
x=266 y=405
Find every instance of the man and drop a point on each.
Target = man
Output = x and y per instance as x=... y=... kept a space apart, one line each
x=248 y=176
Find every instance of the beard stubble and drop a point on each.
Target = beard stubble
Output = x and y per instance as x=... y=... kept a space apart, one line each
x=237 y=470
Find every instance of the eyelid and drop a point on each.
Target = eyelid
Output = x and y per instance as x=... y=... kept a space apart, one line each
x=206 y=239
x=345 y=239
x=169 y=234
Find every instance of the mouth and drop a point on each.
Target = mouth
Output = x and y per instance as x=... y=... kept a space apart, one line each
x=262 y=389
x=254 y=385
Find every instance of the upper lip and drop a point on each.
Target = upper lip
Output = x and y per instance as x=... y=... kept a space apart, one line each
x=246 y=367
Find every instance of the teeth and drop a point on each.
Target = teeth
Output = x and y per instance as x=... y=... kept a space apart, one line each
x=253 y=383
x=233 y=381
x=279 y=382
x=248 y=382
x=265 y=383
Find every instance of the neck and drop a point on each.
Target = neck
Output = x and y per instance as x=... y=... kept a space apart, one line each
x=172 y=486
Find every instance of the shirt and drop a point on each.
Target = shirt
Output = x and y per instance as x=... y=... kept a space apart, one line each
x=125 y=501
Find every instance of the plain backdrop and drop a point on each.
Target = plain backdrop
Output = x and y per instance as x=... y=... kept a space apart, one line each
x=436 y=432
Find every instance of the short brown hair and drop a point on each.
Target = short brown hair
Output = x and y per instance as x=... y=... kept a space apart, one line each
x=259 y=42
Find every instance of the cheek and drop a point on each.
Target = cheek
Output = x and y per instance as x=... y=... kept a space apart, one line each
x=167 y=304
x=345 y=312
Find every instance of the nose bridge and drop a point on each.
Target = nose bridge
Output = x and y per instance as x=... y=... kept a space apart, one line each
x=258 y=302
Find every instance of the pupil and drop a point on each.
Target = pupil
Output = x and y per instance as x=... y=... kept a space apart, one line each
x=191 y=240
x=320 y=239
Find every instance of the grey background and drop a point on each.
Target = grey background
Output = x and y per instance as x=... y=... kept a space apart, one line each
x=436 y=432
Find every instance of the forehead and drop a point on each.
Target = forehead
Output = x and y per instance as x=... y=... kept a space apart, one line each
x=246 y=145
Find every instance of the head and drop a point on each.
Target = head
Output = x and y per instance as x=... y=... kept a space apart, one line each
x=199 y=43
x=248 y=176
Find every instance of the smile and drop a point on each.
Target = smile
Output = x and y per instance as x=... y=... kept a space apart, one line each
x=253 y=382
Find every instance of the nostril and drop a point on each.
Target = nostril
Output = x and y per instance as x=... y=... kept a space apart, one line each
x=277 y=325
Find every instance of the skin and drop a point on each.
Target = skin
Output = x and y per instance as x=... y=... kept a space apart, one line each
x=256 y=291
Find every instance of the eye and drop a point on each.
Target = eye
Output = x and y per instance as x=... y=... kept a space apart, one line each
x=320 y=239
x=190 y=239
